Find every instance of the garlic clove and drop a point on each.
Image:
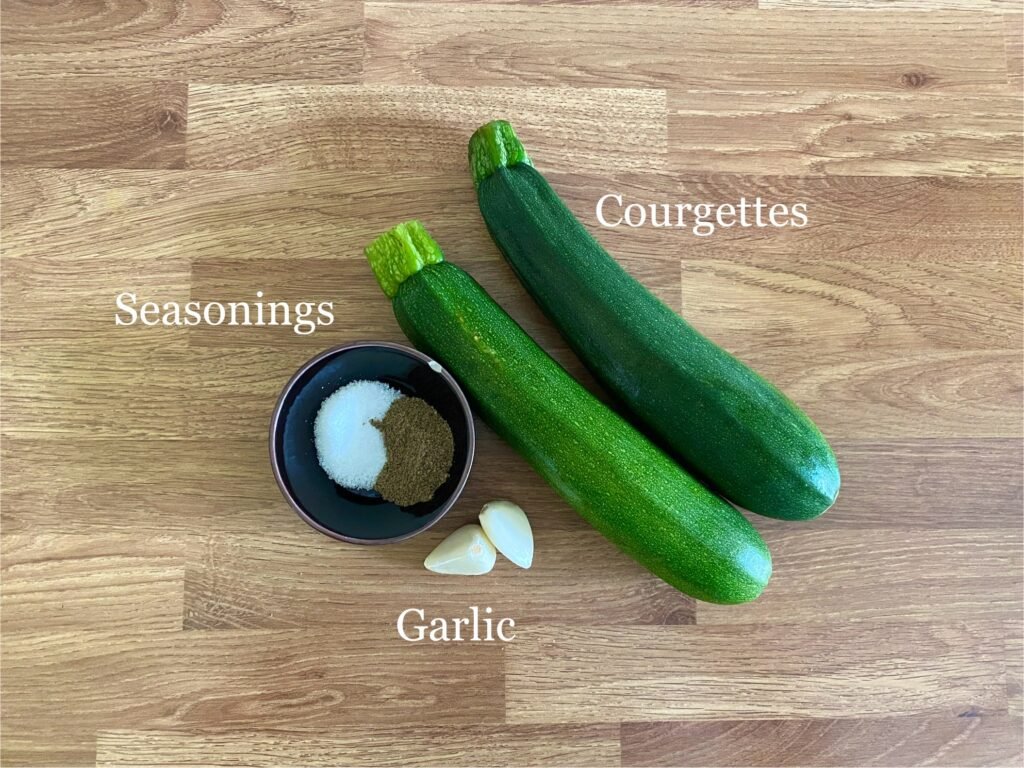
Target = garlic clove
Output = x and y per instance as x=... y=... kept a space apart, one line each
x=467 y=552
x=506 y=526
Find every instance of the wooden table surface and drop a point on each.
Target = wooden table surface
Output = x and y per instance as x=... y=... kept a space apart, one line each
x=163 y=606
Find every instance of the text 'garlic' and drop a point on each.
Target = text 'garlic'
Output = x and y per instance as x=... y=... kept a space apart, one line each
x=467 y=552
x=508 y=529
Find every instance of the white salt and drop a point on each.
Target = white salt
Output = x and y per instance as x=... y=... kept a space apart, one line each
x=348 y=446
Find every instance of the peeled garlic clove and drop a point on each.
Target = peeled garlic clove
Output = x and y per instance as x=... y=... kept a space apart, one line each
x=507 y=527
x=467 y=552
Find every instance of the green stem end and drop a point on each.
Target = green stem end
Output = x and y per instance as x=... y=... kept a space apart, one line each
x=400 y=253
x=494 y=146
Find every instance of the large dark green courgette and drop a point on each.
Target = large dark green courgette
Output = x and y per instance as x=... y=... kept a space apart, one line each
x=716 y=414
x=610 y=473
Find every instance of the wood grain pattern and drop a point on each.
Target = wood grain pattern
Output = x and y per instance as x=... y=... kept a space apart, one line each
x=803 y=132
x=201 y=215
x=879 y=577
x=867 y=302
x=233 y=681
x=415 y=43
x=919 y=484
x=889 y=344
x=1015 y=49
x=112 y=485
x=97 y=124
x=914 y=740
x=1015 y=673
x=245 y=40
x=568 y=674
x=324 y=126
x=85 y=582
x=652 y=3
x=162 y=605
x=135 y=383
x=460 y=745
x=992 y=6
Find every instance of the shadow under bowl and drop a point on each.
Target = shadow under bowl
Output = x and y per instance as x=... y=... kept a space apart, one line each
x=363 y=517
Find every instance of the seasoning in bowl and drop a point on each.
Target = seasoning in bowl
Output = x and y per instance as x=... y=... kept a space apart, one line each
x=419 y=447
x=369 y=436
x=350 y=449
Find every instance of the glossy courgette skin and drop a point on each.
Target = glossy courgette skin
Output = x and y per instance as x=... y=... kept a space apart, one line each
x=710 y=410
x=619 y=481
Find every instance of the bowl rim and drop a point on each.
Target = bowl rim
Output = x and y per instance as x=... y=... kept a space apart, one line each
x=276 y=423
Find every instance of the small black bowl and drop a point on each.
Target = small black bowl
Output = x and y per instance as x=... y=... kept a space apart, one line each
x=363 y=517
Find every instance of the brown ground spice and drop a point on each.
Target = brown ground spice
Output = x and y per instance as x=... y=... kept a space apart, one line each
x=419 y=449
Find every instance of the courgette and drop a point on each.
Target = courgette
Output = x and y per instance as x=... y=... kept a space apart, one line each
x=610 y=473
x=711 y=411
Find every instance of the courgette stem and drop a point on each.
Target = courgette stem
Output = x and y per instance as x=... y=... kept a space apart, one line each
x=400 y=253
x=495 y=146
